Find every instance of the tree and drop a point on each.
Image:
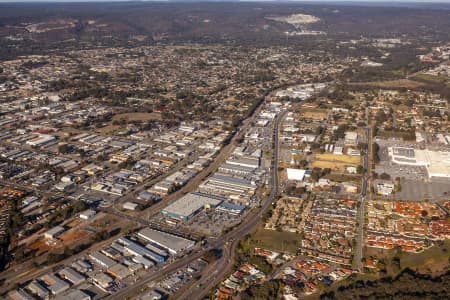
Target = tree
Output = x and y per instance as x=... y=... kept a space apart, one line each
x=360 y=169
x=385 y=176
x=64 y=149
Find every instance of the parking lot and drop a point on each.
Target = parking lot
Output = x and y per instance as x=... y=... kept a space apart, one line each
x=416 y=190
x=213 y=223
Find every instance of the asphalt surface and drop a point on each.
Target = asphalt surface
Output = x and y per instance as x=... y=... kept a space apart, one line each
x=357 y=266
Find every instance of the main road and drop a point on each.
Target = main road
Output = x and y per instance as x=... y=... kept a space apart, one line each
x=357 y=262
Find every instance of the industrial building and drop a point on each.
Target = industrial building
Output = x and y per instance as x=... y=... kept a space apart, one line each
x=38 y=289
x=102 y=280
x=172 y=243
x=72 y=276
x=236 y=169
x=41 y=140
x=54 y=284
x=143 y=261
x=119 y=271
x=87 y=214
x=137 y=250
x=74 y=295
x=19 y=295
x=54 y=232
x=102 y=259
x=223 y=183
x=245 y=161
x=231 y=208
x=189 y=205
x=295 y=174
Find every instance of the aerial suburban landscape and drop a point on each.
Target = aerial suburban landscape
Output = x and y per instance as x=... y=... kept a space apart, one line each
x=224 y=150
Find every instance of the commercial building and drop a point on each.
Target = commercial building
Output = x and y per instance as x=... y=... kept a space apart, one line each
x=189 y=205
x=437 y=163
x=130 y=205
x=295 y=174
x=384 y=188
x=172 y=243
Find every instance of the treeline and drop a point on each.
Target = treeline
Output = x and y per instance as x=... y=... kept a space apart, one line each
x=407 y=285
x=267 y=290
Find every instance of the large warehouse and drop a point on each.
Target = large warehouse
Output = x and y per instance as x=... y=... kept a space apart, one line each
x=437 y=163
x=189 y=205
x=172 y=243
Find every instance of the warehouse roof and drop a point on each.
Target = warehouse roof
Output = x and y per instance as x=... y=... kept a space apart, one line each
x=190 y=203
x=168 y=241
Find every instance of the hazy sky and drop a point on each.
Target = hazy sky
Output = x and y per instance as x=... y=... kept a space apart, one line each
x=381 y=1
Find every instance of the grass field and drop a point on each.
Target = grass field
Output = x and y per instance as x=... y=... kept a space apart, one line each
x=275 y=240
x=431 y=261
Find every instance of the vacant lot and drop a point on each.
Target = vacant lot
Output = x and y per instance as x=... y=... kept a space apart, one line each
x=137 y=116
x=276 y=240
x=72 y=235
x=314 y=113
x=42 y=246
x=335 y=162
x=434 y=260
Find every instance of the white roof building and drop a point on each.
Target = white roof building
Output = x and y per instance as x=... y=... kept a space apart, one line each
x=172 y=243
x=295 y=174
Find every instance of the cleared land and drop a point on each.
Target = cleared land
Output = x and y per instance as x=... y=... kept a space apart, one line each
x=335 y=162
x=275 y=240
x=137 y=116
x=314 y=113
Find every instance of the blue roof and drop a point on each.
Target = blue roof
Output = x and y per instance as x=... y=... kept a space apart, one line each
x=232 y=206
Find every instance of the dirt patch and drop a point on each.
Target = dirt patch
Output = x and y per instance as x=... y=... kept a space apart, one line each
x=336 y=163
x=137 y=116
